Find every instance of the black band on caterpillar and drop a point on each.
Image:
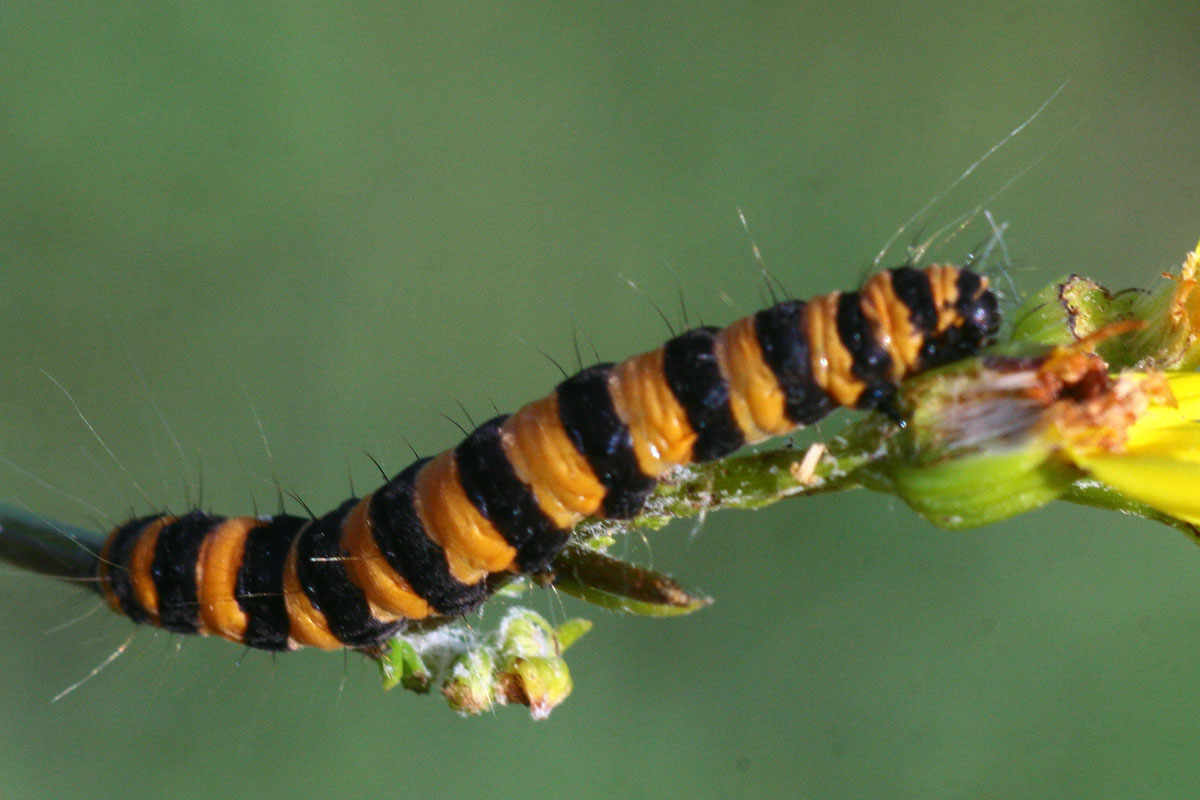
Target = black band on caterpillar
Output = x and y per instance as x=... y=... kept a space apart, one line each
x=913 y=289
x=259 y=586
x=407 y=547
x=872 y=363
x=506 y=498
x=501 y=497
x=113 y=568
x=321 y=568
x=586 y=410
x=785 y=350
x=692 y=372
x=174 y=571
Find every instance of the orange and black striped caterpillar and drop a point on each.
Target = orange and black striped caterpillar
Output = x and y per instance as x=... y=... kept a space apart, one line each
x=507 y=497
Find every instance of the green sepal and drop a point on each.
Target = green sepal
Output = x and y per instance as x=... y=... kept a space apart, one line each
x=400 y=665
x=971 y=452
x=530 y=668
x=571 y=632
x=539 y=682
x=470 y=687
x=1074 y=308
x=976 y=489
x=1171 y=310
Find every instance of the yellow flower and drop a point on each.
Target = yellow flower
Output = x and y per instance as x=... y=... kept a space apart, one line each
x=1008 y=434
x=1158 y=464
x=1092 y=399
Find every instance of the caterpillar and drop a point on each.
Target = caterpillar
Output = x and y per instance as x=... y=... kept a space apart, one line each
x=506 y=498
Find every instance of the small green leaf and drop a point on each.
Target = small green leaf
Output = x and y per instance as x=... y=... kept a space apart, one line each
x=602 y=580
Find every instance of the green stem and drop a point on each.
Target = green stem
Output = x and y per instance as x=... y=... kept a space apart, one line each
x=758 y=479
x=45 y=547
x=1097 y=495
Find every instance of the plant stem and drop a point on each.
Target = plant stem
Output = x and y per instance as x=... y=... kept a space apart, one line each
x=49 y=548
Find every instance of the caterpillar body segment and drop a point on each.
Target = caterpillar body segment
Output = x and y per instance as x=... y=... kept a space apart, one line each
x=506 y=498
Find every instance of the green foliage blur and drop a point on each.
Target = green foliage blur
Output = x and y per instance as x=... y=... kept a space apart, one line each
x=337 y=222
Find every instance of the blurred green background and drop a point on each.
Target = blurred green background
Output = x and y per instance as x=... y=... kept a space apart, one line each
x=347 y=218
